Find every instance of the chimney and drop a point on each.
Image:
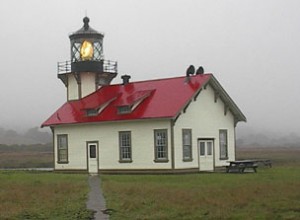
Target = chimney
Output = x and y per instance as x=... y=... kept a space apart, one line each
x=125 y=79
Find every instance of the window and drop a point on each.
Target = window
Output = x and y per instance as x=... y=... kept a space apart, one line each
x=209 y=148
x=124 y=109
x=62 y=148
x=98 y=51
x=92 y=112
x=223 y=144
x=202 y=148
x=97 y=110
x=187 y=144
x=93 y=151
x=161 y=145
x=76 y=51
x=125 y=146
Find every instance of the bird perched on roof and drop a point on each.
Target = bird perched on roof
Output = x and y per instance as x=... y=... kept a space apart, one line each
x=200 y=70
x=190 y=70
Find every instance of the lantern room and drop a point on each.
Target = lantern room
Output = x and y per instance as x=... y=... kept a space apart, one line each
x=87 y=70
x=86 y=49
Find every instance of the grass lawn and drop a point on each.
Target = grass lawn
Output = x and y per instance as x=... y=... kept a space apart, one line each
x=272 y=193
x=37 y=195
x=269 y=194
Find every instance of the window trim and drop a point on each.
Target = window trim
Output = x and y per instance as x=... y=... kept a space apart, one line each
x=225 y=157
x=190 y=158
x=59 y=161
x=125 y=160
x=156 y=159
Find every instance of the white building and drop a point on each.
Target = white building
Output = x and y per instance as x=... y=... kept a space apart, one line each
x=181 y=124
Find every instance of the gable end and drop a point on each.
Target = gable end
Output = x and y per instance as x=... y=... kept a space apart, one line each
x=228 y=102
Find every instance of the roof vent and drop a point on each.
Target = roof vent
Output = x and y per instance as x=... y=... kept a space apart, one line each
x=125 y=79
x=200 y=71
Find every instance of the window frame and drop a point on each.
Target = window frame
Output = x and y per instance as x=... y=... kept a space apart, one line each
x=59 y=149
x=158 y=159
x=223 y=144
x=186 y=146
x=121 y=147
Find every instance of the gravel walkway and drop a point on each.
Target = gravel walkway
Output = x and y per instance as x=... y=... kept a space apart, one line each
x=96 y=200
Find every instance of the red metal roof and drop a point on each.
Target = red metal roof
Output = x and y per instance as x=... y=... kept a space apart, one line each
x=163 y=98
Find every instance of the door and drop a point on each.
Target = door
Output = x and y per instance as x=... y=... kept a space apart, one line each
x=92 y=153
x=206 y=155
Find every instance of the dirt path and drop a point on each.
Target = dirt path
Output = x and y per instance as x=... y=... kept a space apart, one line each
x=96 y=200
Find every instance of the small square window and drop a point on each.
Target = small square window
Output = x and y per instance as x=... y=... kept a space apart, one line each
x=91 y=112
x=124 y=109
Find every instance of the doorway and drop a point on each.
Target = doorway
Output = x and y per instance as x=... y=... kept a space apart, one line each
x=206 y=154
x=92 y=155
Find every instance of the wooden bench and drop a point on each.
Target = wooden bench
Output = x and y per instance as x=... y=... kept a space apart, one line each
x=265 y=162
x=241 y=165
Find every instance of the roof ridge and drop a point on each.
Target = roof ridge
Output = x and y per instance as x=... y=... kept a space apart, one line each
x=160 y=79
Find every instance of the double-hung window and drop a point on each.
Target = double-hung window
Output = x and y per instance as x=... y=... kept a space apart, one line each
x=161 y=145
x=187 y=144
x=223 y=144
x=125 y=146
x=62 y=148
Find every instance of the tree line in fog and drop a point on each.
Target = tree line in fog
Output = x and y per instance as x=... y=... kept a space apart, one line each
x=29 y=137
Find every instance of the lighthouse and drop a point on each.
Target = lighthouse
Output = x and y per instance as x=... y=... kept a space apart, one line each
x=87 y=70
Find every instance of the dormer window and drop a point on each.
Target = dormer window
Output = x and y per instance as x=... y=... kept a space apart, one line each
x=92 y=112
x=130 y=103
x=96 y=111
x=125 y=109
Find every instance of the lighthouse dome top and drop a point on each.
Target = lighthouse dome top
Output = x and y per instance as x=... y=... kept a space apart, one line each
x=86 y=31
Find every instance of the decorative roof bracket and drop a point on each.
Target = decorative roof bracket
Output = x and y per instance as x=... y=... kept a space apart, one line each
x=217 y=95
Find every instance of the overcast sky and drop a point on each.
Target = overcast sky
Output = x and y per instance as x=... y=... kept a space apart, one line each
x=251 y=46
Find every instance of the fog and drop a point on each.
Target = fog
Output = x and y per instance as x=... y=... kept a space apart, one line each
x=251 y=46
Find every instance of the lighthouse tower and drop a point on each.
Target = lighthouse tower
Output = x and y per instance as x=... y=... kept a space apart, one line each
x=87 y=70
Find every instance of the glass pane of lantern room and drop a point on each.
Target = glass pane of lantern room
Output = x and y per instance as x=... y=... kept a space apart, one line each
x=97 y=51
x=76 y=52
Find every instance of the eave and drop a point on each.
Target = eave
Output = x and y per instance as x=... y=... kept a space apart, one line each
x=229 y=104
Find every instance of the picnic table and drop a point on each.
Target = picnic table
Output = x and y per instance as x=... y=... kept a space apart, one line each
x=241 y=165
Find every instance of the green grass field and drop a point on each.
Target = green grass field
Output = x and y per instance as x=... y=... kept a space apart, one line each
x=269 y=194
x=272 y=193
x=36 y=195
